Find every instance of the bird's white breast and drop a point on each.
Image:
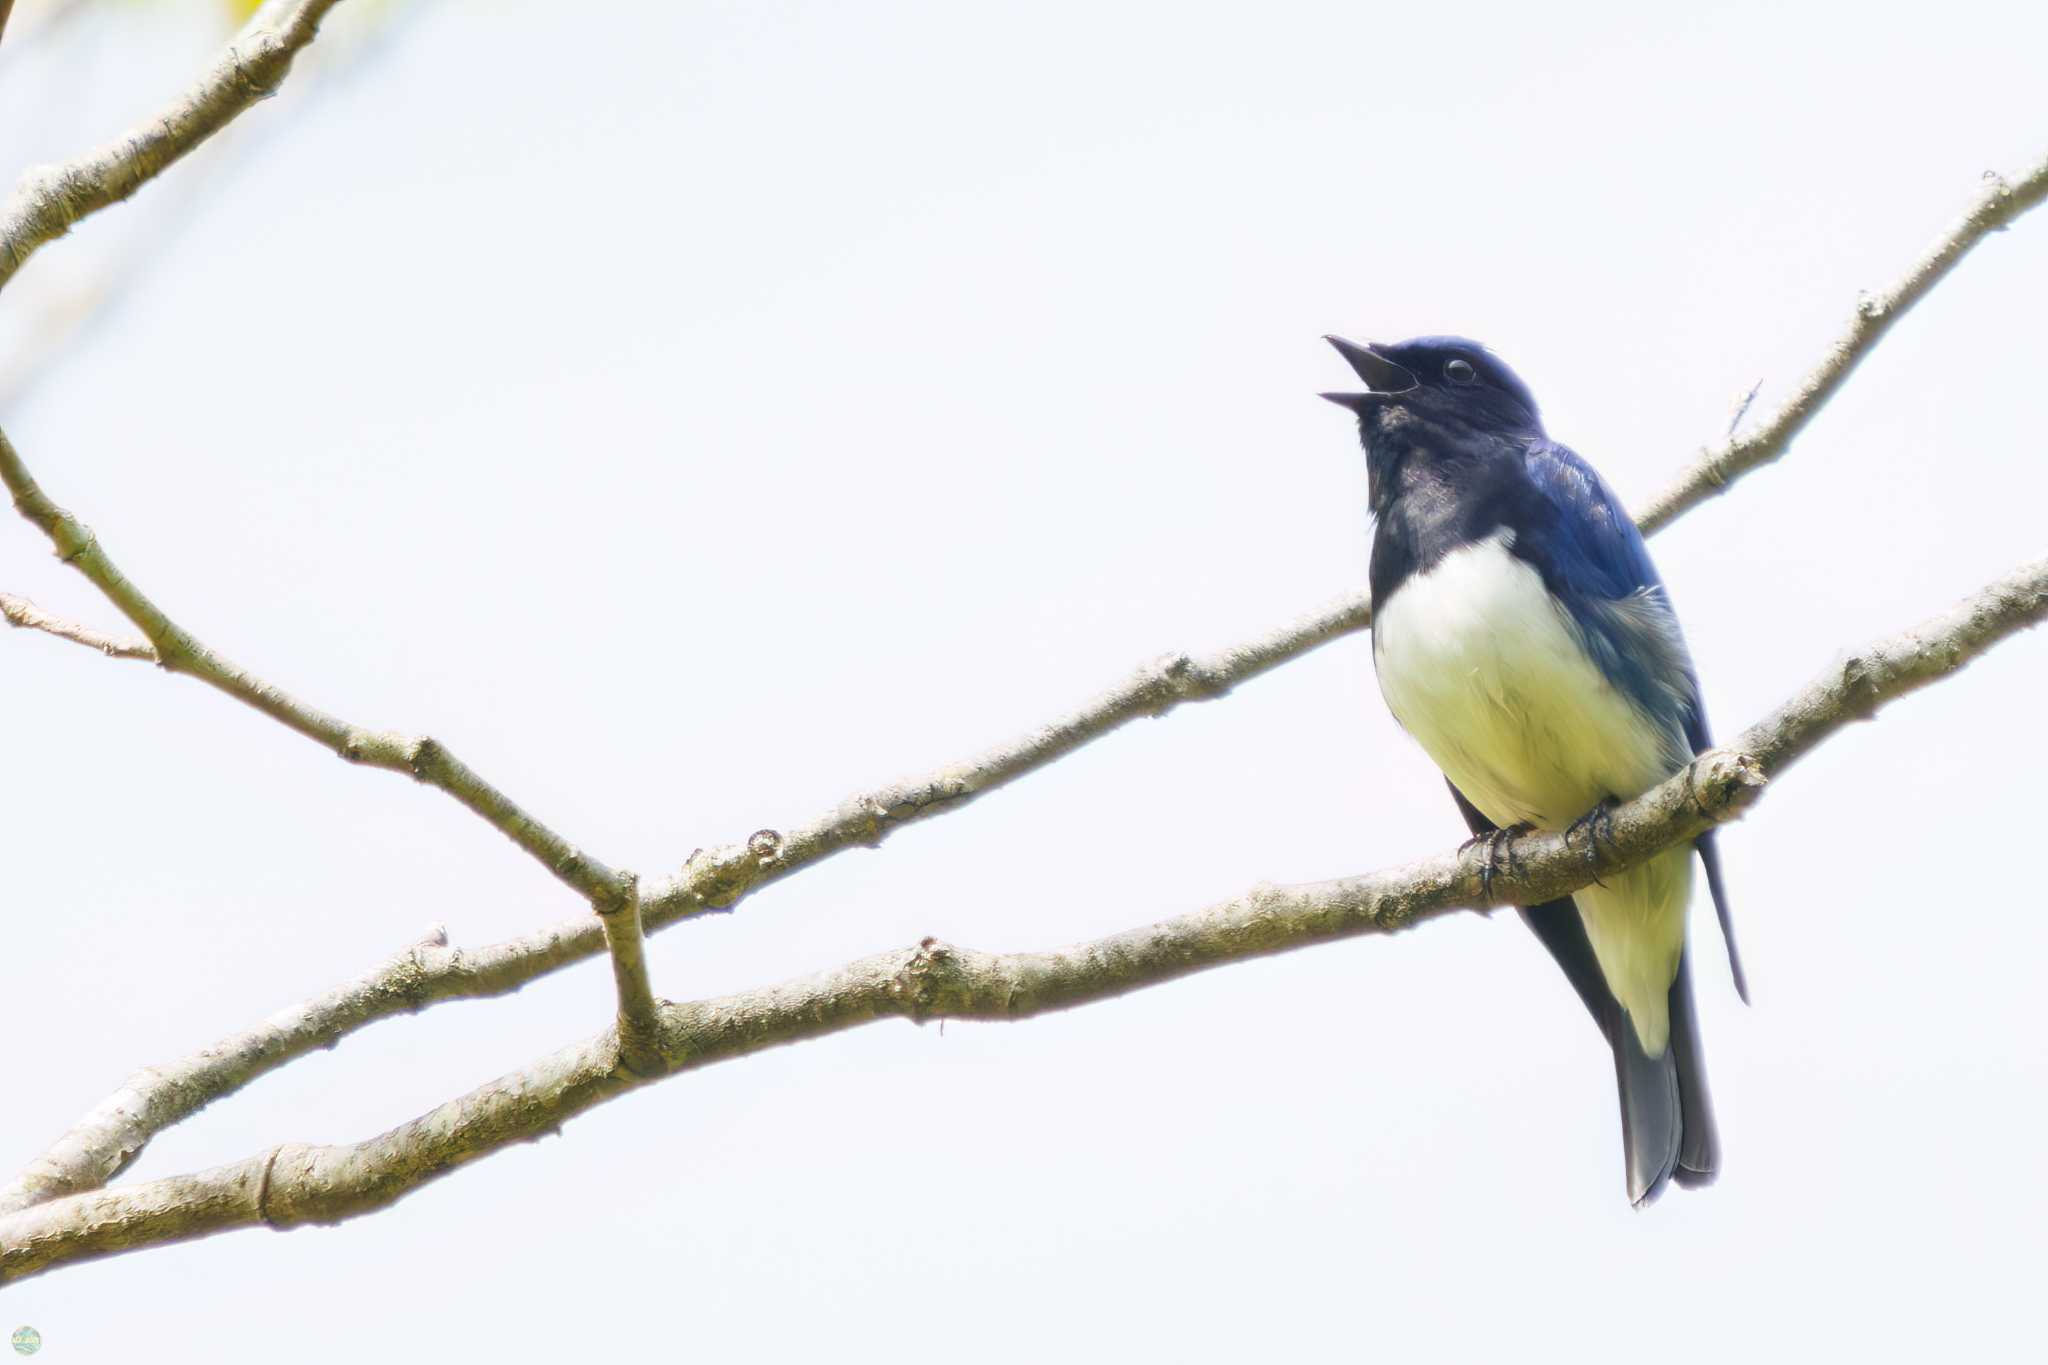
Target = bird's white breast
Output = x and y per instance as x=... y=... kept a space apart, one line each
x=1481 y=666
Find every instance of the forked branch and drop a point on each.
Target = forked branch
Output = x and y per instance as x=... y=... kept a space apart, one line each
x=178 y=651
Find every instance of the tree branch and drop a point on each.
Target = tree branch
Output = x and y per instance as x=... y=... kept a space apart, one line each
x=614 y=895
x=50 y=200
x=177 y=651
x=106 y=1141
x=21 y=612
x=639 y=1019
x=296 y=1184
x=720 y=878
x=103 y=1143
x=1717 y=467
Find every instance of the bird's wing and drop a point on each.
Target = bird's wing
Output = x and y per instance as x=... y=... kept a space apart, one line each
x=1593 y=560
x=1596 y=563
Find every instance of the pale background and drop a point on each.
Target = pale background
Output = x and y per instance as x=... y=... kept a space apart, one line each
x=696 y=413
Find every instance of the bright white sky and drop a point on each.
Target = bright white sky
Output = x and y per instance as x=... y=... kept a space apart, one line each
x=696 y=413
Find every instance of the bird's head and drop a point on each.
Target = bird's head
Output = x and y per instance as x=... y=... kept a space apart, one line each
x=1445 y=382
x=1433 y=406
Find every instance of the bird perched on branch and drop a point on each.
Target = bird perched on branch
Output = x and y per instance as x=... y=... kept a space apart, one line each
x=1522 y=636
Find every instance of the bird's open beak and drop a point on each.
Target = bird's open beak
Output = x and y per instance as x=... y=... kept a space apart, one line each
x=1383 y=375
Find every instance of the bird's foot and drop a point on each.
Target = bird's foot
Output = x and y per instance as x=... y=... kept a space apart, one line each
x=1495 y=840
x=1598 y=823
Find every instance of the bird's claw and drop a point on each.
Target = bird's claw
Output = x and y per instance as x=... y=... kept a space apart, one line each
x=1597 y=823
x=1495 y=840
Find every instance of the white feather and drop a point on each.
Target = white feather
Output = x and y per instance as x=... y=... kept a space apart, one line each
x=1481 y=666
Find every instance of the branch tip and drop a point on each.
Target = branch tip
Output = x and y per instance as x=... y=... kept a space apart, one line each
x=1991 y=208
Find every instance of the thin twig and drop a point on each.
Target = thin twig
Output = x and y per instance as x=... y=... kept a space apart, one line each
x=108 y=1140
x=297 y=1184
x=1741 y=408
x=720 y=878
x=49 y=201
x=1996 y=205
x=73 y=317
x=21 y=612
x=639 y=1018
x=179 y=652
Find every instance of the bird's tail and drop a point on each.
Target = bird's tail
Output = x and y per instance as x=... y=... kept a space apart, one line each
x=1667 y=1116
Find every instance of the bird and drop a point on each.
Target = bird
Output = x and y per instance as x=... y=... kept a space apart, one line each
x=1521 y=635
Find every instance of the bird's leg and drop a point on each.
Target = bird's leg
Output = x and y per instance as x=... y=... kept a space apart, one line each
x=1595 y=822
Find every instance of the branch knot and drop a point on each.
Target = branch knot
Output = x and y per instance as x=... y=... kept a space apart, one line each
x=930 y=981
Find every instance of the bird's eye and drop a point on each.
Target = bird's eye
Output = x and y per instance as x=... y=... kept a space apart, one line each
x=1460 y=372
